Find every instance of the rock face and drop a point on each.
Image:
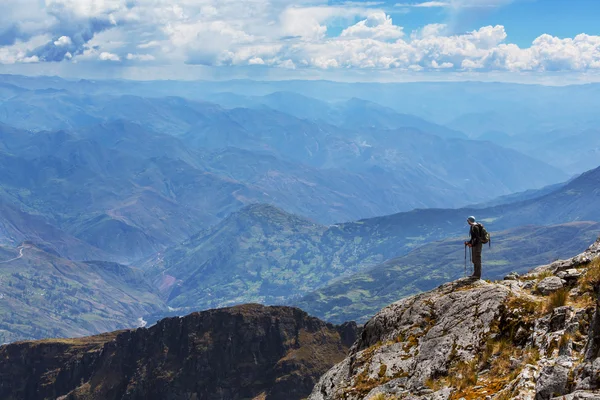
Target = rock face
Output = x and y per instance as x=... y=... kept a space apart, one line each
x=243 y=352
x=521 y=338
x=415 y=340
x=550 y=285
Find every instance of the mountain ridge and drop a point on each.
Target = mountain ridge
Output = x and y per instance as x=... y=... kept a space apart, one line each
x=249 y=351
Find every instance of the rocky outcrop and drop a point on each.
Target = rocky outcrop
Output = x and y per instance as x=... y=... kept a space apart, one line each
x=549 y=285
x=534 y=337
x=418 y=339
x=243 y=352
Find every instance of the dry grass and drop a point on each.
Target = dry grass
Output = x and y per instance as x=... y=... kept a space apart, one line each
x=590 y=282
x=557 y=299
x=498 y=355
x=464 y=375
x=565 y=340
x=540 y=276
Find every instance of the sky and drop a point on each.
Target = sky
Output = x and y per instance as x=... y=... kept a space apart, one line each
x=517 y=40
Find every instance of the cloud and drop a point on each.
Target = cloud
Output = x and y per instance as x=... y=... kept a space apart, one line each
x=308 y=34
x=457 y=4
x=105 y=56
x=63 y=41
x=140 y=57
x=378 y=26
x=426 y=4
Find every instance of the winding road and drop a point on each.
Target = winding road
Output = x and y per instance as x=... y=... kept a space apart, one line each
x=16 y=258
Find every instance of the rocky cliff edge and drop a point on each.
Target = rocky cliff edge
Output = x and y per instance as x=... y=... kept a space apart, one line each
x=531 y=337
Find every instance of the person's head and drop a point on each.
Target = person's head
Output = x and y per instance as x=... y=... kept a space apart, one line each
x=471 y=220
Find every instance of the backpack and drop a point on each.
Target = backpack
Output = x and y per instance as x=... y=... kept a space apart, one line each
x=484 y=235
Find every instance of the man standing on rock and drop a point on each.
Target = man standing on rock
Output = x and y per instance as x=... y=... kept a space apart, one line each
x=476 y=245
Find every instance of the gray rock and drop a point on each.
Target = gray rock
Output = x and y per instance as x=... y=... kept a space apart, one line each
x=559 y=318
x=513 y=276
x=580 y=395
x=418 y=337
x=584 y=258
x=550 y=285
x=529 y=285
x=570 y=275
x=553 y=379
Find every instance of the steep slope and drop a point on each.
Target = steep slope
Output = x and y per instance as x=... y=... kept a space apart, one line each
x=360 y=296
x=97 y=184
x=262 y=254
x=43 y=295
x=245 y=352
x=575 y=201
x=529 y=338
x=259 y=254
x=17 y=226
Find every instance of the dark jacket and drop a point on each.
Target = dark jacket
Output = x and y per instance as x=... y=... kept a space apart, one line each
x=475 y=234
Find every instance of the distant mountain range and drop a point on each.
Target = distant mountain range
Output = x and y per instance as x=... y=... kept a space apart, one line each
x=262 y=254
x=131 y=190
x=522 y=117
x=511 y=108
x=119 y=202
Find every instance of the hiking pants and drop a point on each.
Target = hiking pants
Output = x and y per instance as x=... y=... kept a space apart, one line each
x=476 y=258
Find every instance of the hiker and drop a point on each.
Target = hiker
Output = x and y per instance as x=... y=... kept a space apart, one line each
x=476 y=245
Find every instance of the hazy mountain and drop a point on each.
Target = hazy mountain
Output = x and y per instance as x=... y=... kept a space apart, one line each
x=44 y=295
x=263 y=254
x=122 y=186
x=259 y=254
x=360 y=296
x=353 y=114
x=17 y=226
x=101 y=186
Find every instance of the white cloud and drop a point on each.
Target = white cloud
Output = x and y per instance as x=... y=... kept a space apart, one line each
x=140 y=57
x=310 y=23
x=378 y=25
x=275 y=33
x=63 y=41
x=105 y=56
x=457 y=4
x=431 y=30
x=426 y=4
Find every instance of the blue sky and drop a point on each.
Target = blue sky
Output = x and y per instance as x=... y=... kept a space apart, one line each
x=442 y=39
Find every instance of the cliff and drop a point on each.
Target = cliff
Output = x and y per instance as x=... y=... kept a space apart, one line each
x=530 y=337
x=244 y=352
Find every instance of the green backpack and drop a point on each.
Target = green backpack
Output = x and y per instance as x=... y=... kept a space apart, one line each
x=484 y=235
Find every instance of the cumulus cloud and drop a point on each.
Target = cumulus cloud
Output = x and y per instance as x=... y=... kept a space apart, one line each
x=275 y=33
x=106 y=56
x=378 y=26
x=63 y=41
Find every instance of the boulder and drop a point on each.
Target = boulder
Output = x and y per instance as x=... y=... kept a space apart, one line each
x=511 y=277
x=570 y=275
x=553 y=379
x=550 y=285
